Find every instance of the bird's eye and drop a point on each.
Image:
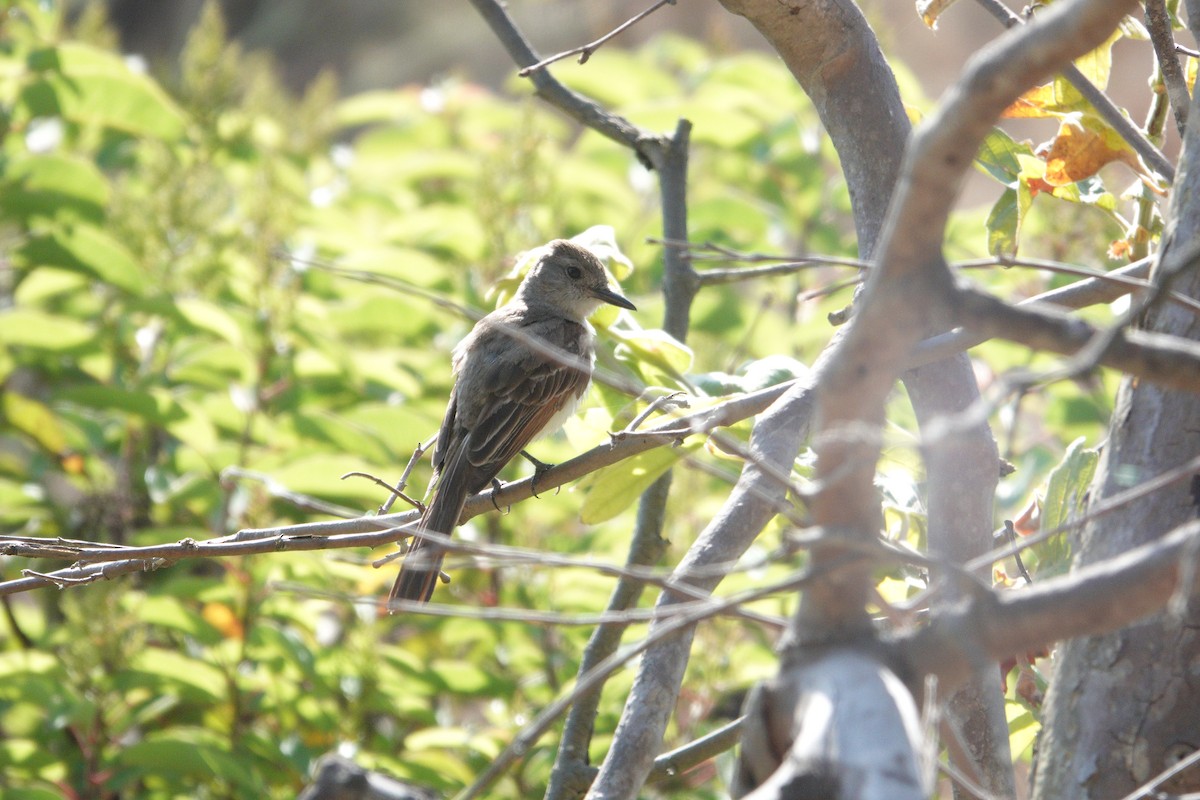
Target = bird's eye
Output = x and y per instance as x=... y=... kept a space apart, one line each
x=574 y=273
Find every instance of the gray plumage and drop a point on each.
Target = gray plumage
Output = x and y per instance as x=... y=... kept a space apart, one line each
x=509 y=391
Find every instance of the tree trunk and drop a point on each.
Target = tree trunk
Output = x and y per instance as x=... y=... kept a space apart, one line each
x=1123 y=707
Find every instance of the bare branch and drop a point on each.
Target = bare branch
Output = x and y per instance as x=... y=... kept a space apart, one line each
x=1166 y=360
x=1091 y=600
x=1145 y=789
x=532 y=732
x=374 y=531
x=1158 y=23
x=585 y=51
x=1089 y=292
x=682 y=759
x=650 y=148
x=299 y=500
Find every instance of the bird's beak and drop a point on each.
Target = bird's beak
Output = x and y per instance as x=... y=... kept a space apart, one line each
x=613 y=298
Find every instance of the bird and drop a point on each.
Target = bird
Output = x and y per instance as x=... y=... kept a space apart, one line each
x=519 y=374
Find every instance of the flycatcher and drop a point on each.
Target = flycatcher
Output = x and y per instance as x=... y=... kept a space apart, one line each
x=509 y=391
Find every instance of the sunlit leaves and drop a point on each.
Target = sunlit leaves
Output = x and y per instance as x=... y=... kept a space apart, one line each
x=1069 y=162
x=613 y=489
x=90 y=249
x=91 y=87
x=25 y=327
x=54 y=185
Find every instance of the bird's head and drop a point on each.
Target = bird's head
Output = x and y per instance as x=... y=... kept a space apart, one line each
x=570 y=279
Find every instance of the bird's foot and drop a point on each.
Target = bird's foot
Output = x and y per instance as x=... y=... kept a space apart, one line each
x=497 y=485
x=540 y=468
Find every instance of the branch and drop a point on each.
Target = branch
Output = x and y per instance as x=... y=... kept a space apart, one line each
x=649 y=148
x=532 y=732
x=860 y=93
x=585 y=51
x=1105 y=107
x=1158 y=23
x=775 y=440
x=683 y=758
x=859 y=737
x=1166 y=360
x=1091 y=600
x=570 y=771
x=378 y=530
x=913 y=285
x=1081 y=294
x=669 y=157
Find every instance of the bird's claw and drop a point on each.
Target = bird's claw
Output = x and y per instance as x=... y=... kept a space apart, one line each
x=540 y=468
x=497 y=485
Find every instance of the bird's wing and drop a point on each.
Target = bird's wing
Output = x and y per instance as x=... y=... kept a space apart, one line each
x=515 y=391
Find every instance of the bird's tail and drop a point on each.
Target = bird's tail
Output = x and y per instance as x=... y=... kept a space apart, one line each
x=423 y=563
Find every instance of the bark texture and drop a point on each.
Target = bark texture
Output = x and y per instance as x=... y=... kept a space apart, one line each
x=1125 y=706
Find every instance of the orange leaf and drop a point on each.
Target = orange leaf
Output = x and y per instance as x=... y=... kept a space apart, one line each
x=1036 y=103
x=221 y=617
x=1078 y=153
x=1037 y=185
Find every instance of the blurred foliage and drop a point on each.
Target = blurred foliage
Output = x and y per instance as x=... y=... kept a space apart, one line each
x=180 y=359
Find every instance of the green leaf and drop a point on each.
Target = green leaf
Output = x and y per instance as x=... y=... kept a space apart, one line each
x=89 y=249
x=344 y=437
x=35 y=420
x=207 y=316
x=32 y=793
x=48 y=185
x=998 y=156
x=615 y=488
x=462 y=678
x=1023 y=728
x=183 y=752
x=194 y=428
x=1068 y=484
x=27 y=662
x=170 y=612
x=1004 y=225
x=1066 y=491
x=41 y=285
x=440 y=226
x=162 y=671
x=406 y=263
x=370 y=107
x=92 y=87
x=654 y=347
x=24 y=327
x=153 y=406
x=771 y=371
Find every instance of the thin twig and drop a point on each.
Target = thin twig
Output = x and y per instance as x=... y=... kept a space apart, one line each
x=1158 y=23
x=300 y=500
x=521 y=615
x=585 y=51
x=1146 y=788
x=649 y=148
x=712 y=277
x=398 y=490
x=1011 y=533
x=662 y=401
x=393 y=491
